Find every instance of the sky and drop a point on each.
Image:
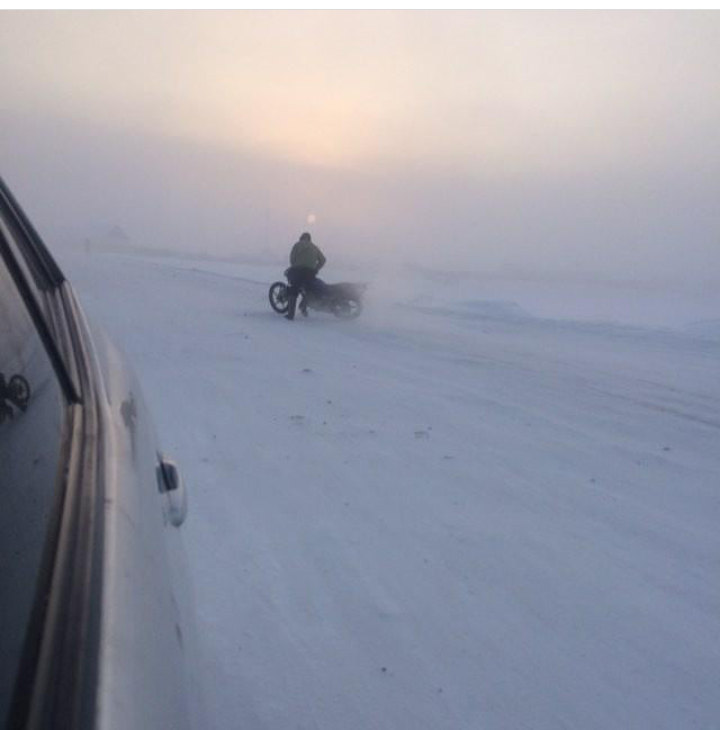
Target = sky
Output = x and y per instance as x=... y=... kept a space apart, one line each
x=553 y=143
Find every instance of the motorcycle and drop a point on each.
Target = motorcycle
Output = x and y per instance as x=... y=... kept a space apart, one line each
x=344 y=300
x=15 y=391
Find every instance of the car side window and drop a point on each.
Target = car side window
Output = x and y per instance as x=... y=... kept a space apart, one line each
x=32 y=413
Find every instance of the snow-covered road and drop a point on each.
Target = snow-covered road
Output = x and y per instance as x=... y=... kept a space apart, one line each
x=450 y=516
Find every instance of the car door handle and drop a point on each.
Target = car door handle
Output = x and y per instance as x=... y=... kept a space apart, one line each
x=173 y=486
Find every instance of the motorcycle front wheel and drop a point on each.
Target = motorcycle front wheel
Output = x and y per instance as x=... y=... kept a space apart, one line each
x=278 y=295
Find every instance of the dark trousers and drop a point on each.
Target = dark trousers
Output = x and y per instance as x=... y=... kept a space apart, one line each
x=299 y=278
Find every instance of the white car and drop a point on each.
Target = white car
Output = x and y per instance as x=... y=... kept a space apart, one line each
x=97 y=627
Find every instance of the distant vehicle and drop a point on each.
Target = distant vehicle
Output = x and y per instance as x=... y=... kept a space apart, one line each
x=343 y=300
x=97 y=631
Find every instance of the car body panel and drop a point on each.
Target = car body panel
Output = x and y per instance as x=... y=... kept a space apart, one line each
x=147 y=637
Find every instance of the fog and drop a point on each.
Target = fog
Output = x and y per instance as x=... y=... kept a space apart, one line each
x=554 y=144
x=471 y=485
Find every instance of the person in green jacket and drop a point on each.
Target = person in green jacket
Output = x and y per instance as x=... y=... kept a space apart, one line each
x=306 y=259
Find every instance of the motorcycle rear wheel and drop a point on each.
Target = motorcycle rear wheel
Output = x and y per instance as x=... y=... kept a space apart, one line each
x=348 y=309
x=278 y=296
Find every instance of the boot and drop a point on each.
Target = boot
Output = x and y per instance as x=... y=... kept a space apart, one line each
x=292 y=299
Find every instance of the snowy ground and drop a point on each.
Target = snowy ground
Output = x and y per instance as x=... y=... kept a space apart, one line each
x=445 y=515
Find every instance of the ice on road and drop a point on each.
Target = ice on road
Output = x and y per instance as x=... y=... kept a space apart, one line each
x=440 y=516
